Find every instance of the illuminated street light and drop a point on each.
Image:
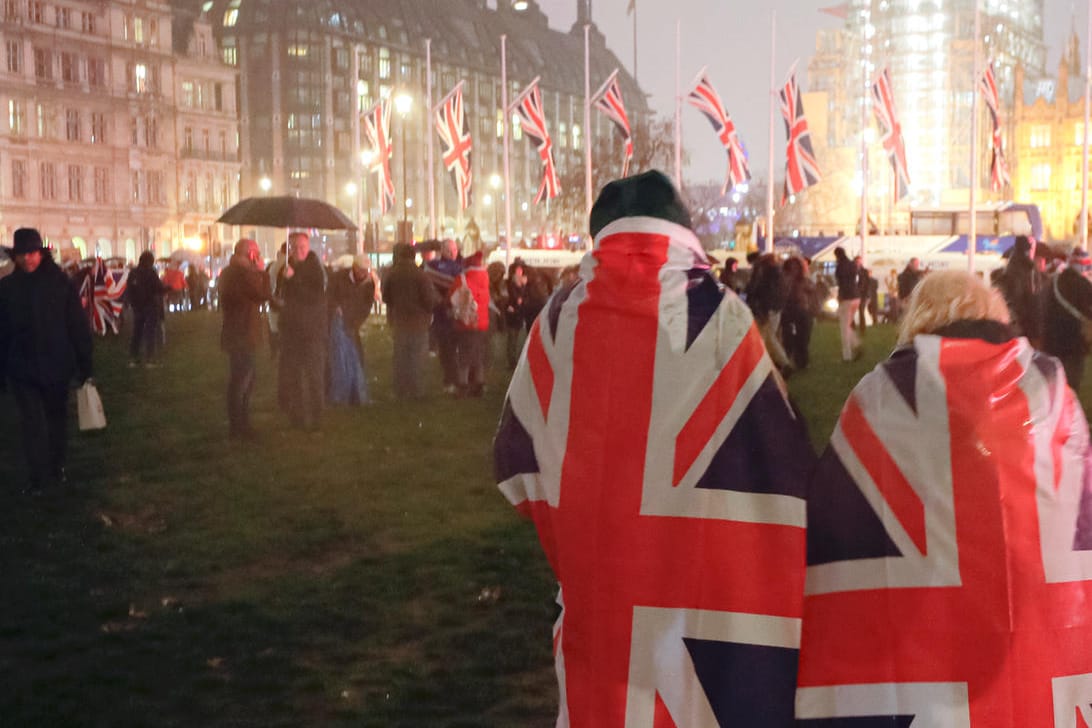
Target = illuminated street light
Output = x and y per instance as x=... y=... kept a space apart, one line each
x=403 y=102
x=350 y=189
x=265 y=184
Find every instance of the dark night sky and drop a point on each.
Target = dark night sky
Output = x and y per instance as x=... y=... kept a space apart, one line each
x=733 y=39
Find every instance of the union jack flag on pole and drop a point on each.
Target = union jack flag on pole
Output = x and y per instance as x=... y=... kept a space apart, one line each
x=706 y=100
x=533 y=121
x=801 y=168
x=646 y=436
x=950 y=546
x=102 y=290
x=883 y=105
x=454 y=130
x=999 y=171
x=608 y=99
x=377 y=124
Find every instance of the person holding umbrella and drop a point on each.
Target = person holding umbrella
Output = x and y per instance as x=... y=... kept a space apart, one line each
x=303 y=333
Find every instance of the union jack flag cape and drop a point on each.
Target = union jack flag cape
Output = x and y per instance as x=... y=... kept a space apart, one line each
x=609 y=100
x=533 y=120
x=883 y=105
x=647 y=437
x=801 y=168
x=101 y=291
x=377 y=125
x=454 y=129
x=999 y=170
x=950 y=547
x=706 y=99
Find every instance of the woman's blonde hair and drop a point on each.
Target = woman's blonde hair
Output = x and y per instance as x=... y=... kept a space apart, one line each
x=947 y=296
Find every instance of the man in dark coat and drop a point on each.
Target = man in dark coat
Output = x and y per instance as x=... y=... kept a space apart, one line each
x=849 y=301
x=443 y=272
x=303 y=334
x=354 y=291
x=244 y=286
x=144 y=292
x=1022 y=285
x=410 y=297
x=45 y=344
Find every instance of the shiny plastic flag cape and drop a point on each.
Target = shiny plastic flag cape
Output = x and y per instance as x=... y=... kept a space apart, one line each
x=949 y=564
x=646 y=435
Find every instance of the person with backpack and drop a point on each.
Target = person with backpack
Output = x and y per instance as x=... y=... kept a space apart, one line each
x=469 y=298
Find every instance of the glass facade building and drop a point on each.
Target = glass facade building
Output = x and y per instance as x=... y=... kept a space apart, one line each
x=928 y=46
x=309 y=68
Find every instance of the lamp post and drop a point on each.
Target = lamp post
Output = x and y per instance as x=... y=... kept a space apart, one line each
x=495 y=183
x=403 y=102
x=265 y=184
x=367 y=156
x=488 y=200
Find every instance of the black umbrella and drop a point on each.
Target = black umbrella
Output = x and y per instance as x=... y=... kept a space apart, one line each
x=287 y=212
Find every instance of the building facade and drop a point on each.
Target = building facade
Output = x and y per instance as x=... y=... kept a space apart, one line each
x=206 y=130
x=309 y=68
x=928 y=47
x=89 y=143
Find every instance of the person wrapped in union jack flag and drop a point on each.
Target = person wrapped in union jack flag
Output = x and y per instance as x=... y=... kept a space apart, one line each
x=950 y=533
x=647 y=435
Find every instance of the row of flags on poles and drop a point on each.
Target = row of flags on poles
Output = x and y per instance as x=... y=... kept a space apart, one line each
x=801 y=167
x=453 y=128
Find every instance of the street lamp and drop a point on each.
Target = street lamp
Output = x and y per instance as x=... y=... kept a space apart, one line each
x=495 y=183
x=403 y=102
x=367 y=156
x=265 y=184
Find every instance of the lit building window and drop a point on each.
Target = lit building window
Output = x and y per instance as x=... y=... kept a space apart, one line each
x=576 y=136
x=1078 y=134
x=1040 y=177
x=16 y=117
x=384 y=63
x=1040 y=136
x=18 y=179
x=231 y=17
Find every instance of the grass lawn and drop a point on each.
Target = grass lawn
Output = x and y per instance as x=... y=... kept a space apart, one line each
x=369 y=575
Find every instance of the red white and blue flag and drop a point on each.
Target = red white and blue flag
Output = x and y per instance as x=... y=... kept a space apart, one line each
x=454 y=129
x=883 y=105
x=646 y=435
x=801 y=168
x=999 y=170
x=377 y=124
x=706 y=99
x=101 y=291
x=608 y=99
x=950 y=547
x=533 y=121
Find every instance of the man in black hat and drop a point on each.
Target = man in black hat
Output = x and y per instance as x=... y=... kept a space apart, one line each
x=45 y=345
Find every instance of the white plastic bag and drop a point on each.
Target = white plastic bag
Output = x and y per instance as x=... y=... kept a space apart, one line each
x=89 y=407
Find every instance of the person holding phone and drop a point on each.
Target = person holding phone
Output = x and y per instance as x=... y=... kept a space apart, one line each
x=244 y=287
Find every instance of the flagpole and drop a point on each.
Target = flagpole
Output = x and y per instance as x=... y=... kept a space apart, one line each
x=1087 y=114
x=678 y=106
x=972 y=237
x=633 y=9
x=864 y=145
x=773 y=92
x=507 y=182
x=357 y=165
x=587 y=125
x=428 y=134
